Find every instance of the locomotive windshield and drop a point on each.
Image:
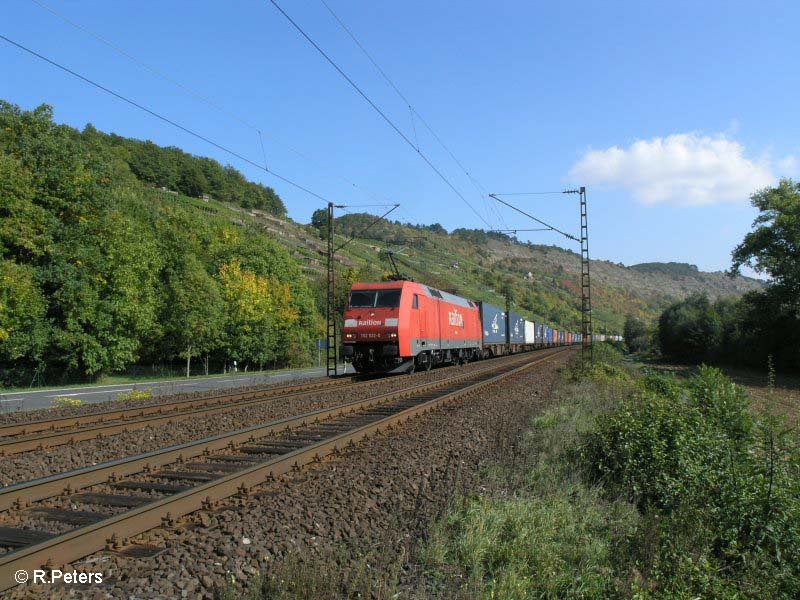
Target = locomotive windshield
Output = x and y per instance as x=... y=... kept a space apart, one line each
x=375 y=299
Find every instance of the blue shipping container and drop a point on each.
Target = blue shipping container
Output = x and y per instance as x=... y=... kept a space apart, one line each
x=494 y=323
x=517 y=329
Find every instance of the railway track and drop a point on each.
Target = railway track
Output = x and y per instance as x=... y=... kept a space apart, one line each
x=59 y=519
x=16 y=438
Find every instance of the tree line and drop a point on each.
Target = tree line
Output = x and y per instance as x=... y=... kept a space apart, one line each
x=99 y=273
x=175 y=170
x=757 y=328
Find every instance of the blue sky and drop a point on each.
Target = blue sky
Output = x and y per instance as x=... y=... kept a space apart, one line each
x=671 y=113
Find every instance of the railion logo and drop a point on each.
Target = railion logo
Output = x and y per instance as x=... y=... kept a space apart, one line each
x=456 y=318
x=368 y=323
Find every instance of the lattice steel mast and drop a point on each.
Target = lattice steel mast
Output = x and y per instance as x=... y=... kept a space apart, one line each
x=587 y=351
x=330 y=313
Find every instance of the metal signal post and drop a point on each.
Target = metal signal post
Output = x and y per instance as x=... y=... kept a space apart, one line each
x=330 y=313
x=587 y=352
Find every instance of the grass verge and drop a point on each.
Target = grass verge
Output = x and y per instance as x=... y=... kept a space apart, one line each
x=633 y=486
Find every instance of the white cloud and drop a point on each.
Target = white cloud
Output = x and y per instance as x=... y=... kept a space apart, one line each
x=684 y=169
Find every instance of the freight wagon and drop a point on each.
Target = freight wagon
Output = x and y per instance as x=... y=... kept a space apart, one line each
x=530 y=333
x=493 y=322
x=516 y=331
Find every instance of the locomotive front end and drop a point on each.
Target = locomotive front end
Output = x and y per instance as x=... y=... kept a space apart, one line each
x=371 y=332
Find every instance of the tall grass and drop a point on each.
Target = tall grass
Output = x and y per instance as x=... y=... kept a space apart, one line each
x=632 y=486
x=539 y=530
x=341 y=573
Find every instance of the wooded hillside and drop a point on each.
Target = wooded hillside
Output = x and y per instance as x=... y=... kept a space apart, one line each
x=101 y=269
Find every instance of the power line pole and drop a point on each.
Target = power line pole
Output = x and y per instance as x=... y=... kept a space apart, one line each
x=332 y=367
x=330 y=313
x=587 y=351
x=508 y=322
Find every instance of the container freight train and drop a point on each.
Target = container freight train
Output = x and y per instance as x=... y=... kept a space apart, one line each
x=402 y=326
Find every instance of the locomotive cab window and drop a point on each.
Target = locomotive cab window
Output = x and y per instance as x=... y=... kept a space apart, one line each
x=415 y=303
x=375 y=299
x=362 y=299
x=388 y=299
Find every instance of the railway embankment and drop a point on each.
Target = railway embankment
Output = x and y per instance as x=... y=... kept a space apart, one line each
x=60 y=440
x=551 y=481
x=631 y=485
x=190 y=519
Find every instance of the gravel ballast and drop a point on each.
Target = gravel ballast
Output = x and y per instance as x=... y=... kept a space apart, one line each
x=381 y=494
x=59 y=459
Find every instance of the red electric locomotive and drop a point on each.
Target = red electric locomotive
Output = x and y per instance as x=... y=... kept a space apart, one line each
x=400 y=326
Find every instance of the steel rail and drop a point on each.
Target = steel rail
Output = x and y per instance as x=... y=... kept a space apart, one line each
x=70 y=546
x=22 y=494
x=139 y=418
x=100 y=416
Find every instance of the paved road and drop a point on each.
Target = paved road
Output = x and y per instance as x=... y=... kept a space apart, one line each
x=35 y=399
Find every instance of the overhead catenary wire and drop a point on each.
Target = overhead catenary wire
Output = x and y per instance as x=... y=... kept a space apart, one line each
x=164 y=119
x=203 y=98
x=367 y=205
x=365 y=229
x=519 y=210
x=492 y=204
x=155 y=71
x=413 y=112
x=378 y=110
x=367 y=54
x=530 y=193
x=263 y=152
x=517 y=230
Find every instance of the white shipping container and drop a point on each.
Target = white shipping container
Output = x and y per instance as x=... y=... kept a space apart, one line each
x=530 y=332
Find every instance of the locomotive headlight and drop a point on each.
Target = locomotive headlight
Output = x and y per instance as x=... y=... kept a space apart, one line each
x=393 y=335
x=349 y=336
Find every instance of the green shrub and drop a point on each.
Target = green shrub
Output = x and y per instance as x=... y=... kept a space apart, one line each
x=609 y=353
x=633 y=486
x=606 y=372
x=662 y=384
x=720 y=493
x=721 y=401
x=609 y=365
